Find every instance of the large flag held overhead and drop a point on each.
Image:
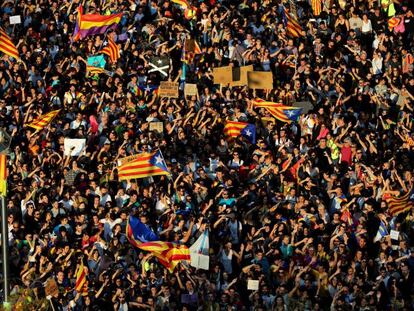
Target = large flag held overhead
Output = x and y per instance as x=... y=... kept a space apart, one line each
x=235 y=129
x=145 y=165
x=400 y=205
x=3 y=175
x=112 y=50
x=382 y=232
x=94 y=24
x=293 y=28
x=80 y=277
x=279 y=111
x=169 y=254
x=7 y=46
x=44 y=120
x=138 y=232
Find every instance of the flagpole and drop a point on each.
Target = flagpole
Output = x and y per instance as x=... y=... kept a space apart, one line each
x=5 y=243
x=5 y=140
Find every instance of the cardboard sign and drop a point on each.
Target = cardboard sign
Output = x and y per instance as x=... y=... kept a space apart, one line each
x=156 y=127
x=168 y=89
x=394 y=235
x=200 y=261
x=15 y=19
x=51 y=288
x=73 y=146
x=223 y=75
x=253 y=284
x=240 y=75
x=190 y=89
x=262 y=80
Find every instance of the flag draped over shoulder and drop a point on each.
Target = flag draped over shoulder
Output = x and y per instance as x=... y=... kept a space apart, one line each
x=94 y=24
x=112 y=50
x=235 y=129
x=293 y=28
x=399 y=205
x=145 y=165
x=138 y=232
x=7 y=46
x=279 y=111
x=3 y=175
x=169 y=254
x=382 y=232
x=44 y=120
x=80 y=277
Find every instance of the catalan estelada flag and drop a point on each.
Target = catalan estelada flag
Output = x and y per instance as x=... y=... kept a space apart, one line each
x=94 y=24
x=3 y=175
x=7 y=46
x=293 y=28
x=316 y=7
x=112 y=50
x=138 y=232
x=400 y=205
x=145 y=165
x=44 y=120
x=80 y=277
x=279 y=111
x=169 y=254
x=235 y=129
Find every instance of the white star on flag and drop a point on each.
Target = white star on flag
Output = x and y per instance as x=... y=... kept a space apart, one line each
x=289 y=113
x=158 y=160
x=159 y=61
x=148 y=89
x=248 y=133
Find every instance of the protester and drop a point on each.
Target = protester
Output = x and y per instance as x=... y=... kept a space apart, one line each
x=317 y=210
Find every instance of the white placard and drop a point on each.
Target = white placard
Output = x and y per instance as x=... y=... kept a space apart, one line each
x=394 y=235
x=200 y=261
x=15 y=19
x=253 y=284
x=73 y=146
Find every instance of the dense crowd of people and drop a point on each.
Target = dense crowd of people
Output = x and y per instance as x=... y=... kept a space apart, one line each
x=308 y=235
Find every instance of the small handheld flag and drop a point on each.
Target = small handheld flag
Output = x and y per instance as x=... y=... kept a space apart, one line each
x=235 y=129
x=147 y=164
x=44 y=120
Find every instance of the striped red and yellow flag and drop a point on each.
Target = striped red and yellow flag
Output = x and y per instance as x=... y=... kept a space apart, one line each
x=400 y=205
x=293 y=28
x=316 y=7
x=112 y=50
x=169 y=254
x=233 y=128
x=7 y=46
x=393 y=22
x=279 y=111
x=145 y=165
x=3 y=175
x=94 y=70
x=80 y=278
x=44 y=120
